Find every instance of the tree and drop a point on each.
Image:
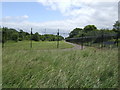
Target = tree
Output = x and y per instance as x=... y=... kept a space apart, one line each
x=50 y=37
x=21 y=35
x=15 y=37
x=116 y=26
x=75 y=32
x=90 y=28
x=13 y=34
x=36 y=37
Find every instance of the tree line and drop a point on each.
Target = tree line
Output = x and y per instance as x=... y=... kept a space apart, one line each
x=91 y=35
x=92 y=30
x=14 y=35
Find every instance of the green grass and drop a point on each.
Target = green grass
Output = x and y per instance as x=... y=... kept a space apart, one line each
x=41 y=45
x=32 y=68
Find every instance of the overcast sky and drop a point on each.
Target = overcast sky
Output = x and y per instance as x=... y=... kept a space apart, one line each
x=64 y=15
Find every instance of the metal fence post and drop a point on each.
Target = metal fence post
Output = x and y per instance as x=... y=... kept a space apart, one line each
x=31 y=39
x=58 y=39
x=117 y=41
x=102 y=40
x=82 y=42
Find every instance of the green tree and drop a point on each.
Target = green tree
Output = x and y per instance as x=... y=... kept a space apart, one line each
x=90 y=28
x=116 y=26
x=75 y=32
x=15 y=37
x=36 y=37
x=21 y=35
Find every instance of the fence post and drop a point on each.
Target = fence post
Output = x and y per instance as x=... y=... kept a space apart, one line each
x=3 y=39
x=117 y=41
x=102 y=39
x=31 y=39
x=82 y=42
x=58 y=39
x=4 y=33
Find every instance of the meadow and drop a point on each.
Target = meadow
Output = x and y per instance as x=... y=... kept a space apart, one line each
x=45 y=66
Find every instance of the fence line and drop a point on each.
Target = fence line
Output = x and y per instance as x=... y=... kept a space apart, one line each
x=100 y=39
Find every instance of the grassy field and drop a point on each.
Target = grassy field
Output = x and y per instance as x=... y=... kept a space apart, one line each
x=41 y=45
x=43 y=67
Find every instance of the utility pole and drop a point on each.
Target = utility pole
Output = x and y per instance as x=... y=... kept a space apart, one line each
x=58 y=39
x=31 y=39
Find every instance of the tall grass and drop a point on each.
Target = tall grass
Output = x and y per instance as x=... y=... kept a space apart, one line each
x=87 y=68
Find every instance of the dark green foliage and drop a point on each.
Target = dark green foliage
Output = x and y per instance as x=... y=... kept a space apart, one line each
x=15 y=37
x=90 y=34
x=116 y=26
x=87 y=31
x=60 y=38
x=90 y=28
x=12 y=34
x=9 y=34
x=75 y=32
x=50 y=37
x=36 y=37
x=21 y=35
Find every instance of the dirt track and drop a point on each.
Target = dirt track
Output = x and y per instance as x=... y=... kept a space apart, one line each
x=76 y=47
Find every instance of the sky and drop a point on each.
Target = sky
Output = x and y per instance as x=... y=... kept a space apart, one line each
x=47 y=16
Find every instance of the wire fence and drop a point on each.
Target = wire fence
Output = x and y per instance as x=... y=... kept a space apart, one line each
x=100 y=41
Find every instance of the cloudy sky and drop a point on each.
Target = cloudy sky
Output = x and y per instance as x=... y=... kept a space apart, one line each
x=64 y=15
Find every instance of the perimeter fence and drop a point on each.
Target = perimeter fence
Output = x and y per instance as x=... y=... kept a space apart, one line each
x=100 y=41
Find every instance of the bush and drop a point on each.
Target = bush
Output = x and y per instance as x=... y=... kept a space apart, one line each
x=20 y=39
x=15 y=37
x=35 y=37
